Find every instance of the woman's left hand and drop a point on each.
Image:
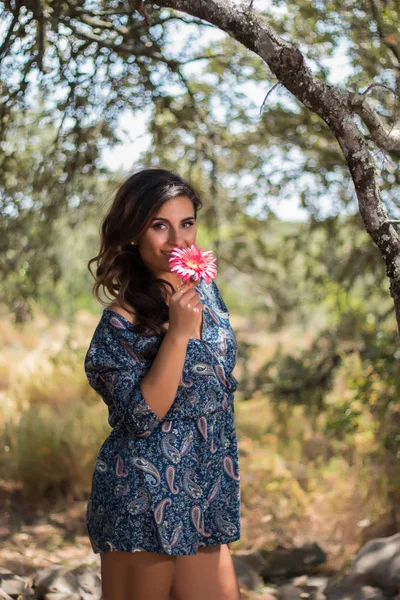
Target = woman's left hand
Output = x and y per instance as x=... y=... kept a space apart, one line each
x=229 y=544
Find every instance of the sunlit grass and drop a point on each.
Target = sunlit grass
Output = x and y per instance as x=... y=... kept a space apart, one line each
x=51 y=421
x=53 y=453
x=302 y=480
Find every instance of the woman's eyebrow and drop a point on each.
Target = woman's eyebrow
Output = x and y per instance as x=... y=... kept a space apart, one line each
x=162 y=219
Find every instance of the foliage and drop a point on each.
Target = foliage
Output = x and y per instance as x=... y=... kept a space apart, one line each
x=90 y=63
x=378 y=386
x=322 y=421
x=45 y=187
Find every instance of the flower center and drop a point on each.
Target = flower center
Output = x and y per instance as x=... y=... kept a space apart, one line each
x=192 y=264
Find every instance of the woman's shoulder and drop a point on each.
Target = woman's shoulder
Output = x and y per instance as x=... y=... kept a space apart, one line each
x=129 y=316
x=115 y=341
x=113 y=325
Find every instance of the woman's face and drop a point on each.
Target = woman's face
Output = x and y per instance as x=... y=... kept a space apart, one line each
x=174 y=226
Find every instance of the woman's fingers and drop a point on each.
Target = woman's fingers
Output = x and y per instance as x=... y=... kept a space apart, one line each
x=187 y=284
x=182 y=287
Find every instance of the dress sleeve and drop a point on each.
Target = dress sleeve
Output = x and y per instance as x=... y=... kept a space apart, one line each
x=217 y=298
x=114 y=369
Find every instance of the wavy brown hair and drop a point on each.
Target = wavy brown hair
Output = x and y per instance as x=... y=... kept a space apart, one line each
x=120 y=271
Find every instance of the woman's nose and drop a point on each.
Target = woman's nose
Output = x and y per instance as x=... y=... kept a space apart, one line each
x=176 y=237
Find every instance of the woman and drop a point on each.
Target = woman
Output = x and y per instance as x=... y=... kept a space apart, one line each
x=165 y=501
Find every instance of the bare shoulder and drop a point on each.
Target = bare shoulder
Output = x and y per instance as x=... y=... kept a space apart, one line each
x=114 y=306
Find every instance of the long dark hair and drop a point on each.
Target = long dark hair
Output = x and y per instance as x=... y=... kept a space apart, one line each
x=120 y=270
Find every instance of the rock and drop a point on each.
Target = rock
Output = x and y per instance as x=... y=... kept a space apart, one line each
x=56 y=583
x=53 y=583
x=255 y=560
x=288 y=591
x=62 y=597
x=315 y=587
x=89 y=581
x=315 y=583
x=284 y=563
x=303 y=588
x=347 y=589
x=378 y=564
x=14 y=585
x=385 y=527
x=55 y=580
x=247 y=577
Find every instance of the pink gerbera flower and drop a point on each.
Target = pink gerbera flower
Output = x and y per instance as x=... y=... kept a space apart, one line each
x=193 y=263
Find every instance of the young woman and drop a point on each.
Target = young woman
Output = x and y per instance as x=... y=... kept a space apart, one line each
x=165 y=501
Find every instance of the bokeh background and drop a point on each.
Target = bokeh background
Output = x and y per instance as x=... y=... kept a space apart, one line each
x=90 y=94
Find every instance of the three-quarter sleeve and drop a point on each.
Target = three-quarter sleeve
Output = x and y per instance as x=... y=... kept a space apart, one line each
x=114 y=370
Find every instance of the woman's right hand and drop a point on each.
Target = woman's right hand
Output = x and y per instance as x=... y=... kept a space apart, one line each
x=185 y=311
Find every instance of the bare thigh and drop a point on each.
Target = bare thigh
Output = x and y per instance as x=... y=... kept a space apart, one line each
x=136 y=575
x=209 y=574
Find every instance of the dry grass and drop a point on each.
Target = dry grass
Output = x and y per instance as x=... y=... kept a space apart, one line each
x=298 y=485
x=297 y=489
x=51 y=420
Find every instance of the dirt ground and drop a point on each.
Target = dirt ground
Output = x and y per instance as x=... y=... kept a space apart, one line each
x=32 y=539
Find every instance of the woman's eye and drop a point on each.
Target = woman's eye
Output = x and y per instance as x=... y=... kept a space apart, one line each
x=158 y=225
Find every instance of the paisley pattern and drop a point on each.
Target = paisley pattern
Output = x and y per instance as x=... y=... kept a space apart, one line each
x=140 y=503
x=168 y=485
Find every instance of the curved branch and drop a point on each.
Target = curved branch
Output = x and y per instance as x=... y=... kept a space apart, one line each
x=385 y=139
x=329 y=102
x=97 y=39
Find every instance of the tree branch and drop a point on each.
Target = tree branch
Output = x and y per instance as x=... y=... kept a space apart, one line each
x=5 y=45
x=387 y=140
x=140 y=7
x=192 y=21
x=329 y=102
x=93 y=37
x=268 y=93
x=382 y=85
x=101 y=24
x=203 y=57
x=78 y=10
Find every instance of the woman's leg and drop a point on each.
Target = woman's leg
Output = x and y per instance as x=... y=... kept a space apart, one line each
x=208 y=575
x=136 y=575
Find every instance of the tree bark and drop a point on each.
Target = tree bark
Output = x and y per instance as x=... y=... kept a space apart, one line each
x=335 y=105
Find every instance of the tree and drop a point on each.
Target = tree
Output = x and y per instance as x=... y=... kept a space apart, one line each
x=44 y=183
x=337 y=107
x=114 y=54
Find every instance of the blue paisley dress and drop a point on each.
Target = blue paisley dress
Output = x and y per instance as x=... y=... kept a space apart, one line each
x=168 y=485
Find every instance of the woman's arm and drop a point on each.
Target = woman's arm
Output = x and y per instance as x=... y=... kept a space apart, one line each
x=160 y=384
x=116 y=372
x=141 y=396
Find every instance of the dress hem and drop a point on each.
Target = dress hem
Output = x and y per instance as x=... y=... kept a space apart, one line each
x=98 y=550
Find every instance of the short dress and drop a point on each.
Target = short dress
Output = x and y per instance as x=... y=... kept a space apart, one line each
x=167 y=485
